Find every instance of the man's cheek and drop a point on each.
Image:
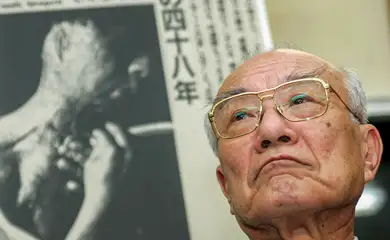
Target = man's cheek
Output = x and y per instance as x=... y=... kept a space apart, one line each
x=238 y=190
x=237 y=161
x=321 y=139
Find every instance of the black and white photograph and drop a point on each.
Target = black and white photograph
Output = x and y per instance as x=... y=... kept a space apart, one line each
x=87 y=147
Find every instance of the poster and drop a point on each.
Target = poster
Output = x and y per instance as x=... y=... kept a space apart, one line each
x=101 y=116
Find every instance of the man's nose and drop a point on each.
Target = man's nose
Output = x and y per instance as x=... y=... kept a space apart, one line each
x=273 y=128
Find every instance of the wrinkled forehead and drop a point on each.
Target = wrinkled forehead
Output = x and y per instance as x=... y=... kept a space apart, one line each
x=270 y=69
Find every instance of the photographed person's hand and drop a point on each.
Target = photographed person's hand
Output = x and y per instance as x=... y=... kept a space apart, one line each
x=103 y=174
x=107 y=164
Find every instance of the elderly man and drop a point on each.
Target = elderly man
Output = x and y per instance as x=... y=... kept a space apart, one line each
x=294 y=146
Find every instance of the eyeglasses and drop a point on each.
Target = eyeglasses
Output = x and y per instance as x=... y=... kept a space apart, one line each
x=298 y=100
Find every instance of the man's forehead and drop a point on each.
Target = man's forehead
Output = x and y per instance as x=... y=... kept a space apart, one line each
x=268 y=70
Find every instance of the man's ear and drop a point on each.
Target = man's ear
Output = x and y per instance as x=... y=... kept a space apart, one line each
x=222 y=181
x=372 y=152
x=224 y=186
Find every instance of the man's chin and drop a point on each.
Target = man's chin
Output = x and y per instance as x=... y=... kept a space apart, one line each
x=283 y=198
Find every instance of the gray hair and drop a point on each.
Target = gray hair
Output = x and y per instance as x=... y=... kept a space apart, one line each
x=357 y=99
x=357 y=102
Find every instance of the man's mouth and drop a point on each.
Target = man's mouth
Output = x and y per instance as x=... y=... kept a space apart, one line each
x=279 y=164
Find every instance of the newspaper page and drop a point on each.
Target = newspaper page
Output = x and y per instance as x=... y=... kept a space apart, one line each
x=101 y=117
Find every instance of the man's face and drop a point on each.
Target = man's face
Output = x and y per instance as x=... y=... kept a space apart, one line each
x=334 y=157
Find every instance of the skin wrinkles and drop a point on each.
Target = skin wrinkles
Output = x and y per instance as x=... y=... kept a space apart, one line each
x=293 y=75
x=256 y=66
x=313 y=199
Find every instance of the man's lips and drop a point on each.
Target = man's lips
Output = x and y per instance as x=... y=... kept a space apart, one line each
x=285 y=161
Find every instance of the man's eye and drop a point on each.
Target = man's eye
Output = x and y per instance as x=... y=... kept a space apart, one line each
x=244 y=114
x=299 y=99
x=240 y=116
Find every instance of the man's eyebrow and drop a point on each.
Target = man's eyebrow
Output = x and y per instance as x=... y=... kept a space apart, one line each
x=229 y=93
x=295 y=74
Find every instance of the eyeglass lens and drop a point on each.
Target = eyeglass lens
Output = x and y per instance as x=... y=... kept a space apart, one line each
x=296 y=101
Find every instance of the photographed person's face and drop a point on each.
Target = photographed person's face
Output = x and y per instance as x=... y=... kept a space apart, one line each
x=325 y=162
